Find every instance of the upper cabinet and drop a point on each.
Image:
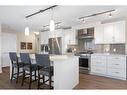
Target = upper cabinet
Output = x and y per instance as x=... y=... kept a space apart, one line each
x=47 y=34
x=98 y=34
x=56 y=33
x=44 y=37
x=110 y=33
x=119 y=32
x=70 y=36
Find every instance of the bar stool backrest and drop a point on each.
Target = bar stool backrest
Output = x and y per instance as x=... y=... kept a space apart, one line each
x=25 y=58
x=13 y=57
x=43 y=60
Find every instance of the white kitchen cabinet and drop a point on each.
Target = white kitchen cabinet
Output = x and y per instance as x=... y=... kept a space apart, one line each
x=55 y=33
x=117 y=62
x=119 y=32
x=44 y=37
x=99 y=35
x=70 y=36
x=98 y=70
x=113 y=66
x=98 y=64
x=116 y=66
x=110 y=33
x=98 y=61
x=121 y=74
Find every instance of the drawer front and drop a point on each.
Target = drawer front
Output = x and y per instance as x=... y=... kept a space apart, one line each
x=98 y=61
x=117 y=72
x=99 y=70
x=116 y=62
x=98 y=57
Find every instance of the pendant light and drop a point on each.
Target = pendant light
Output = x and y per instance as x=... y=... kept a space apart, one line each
x=52 y=23
x=27 y=31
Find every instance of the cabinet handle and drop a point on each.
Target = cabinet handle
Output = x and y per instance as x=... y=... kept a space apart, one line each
x=116 y=58
x=97 y=70
x=116 y=64
x=116 y=72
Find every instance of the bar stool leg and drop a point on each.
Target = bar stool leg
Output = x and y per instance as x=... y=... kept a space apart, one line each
x=43 y=78
x=35 y=75
x=17 y=75
x=12 y=73
x=23 y=77
x=50 y=81
x=38 y=80
x=30 y=79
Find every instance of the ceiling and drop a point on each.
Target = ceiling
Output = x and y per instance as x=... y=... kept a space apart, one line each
x=14 y=16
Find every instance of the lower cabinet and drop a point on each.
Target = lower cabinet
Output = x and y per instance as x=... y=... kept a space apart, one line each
x=98 y=70
x=114 y=66
x=117 y=73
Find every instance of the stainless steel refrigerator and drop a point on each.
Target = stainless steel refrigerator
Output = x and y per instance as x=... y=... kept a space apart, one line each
x=55 y=45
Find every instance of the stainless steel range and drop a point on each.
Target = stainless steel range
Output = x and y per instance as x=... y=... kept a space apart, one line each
x=84 y=61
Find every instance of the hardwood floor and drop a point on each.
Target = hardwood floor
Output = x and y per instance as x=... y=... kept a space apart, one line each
x=97 y=82
x=86 y=82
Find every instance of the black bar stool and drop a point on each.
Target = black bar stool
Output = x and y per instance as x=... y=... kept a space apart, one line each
x=28 y=68
x=44 y=69
x=15 y=64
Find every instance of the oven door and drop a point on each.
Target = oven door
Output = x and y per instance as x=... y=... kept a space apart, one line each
x=84 y=63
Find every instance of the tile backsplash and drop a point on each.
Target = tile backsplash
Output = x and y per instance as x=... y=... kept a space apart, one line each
x=117 y=48
x=110 y=48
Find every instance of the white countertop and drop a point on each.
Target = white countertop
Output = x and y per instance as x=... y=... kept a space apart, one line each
x=56 y=57
x=106 y=54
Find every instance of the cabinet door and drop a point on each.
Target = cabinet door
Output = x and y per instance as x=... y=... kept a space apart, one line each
x=108 y=33
x=98 y=70
x=70 y=37
x=117 y=73
x=98 y=64
x=98 y=60
x=99 y=34
x=119 y=32
x=44 y=37
x=118 y=62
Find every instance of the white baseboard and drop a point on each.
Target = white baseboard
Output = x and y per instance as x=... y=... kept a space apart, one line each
x=104 y=75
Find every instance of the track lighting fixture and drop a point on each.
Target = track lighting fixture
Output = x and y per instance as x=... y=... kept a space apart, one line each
x=96 y=14
x=110 y=15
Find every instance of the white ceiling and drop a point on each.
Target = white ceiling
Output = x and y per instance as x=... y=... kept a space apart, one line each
x=14 y=16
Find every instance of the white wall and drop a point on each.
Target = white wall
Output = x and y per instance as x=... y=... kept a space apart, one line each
x=22 y=38
x=85 y=25
x=10 y=41
x=0 y=50
x=8 y=44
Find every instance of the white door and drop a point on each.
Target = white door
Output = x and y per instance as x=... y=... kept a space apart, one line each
x=99 y=34
x=119 y=32
x=9 y=44
x=109 y=33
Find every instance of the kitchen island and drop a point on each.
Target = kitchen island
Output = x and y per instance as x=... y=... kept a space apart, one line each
x=66 y=70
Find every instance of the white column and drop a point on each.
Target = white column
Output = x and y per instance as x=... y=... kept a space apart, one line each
x=0 y=50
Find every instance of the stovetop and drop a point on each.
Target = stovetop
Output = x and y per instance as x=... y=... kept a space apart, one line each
x=84 y=53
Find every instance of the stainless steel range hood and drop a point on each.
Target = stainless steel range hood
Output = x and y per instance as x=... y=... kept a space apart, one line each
x=86 y=33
